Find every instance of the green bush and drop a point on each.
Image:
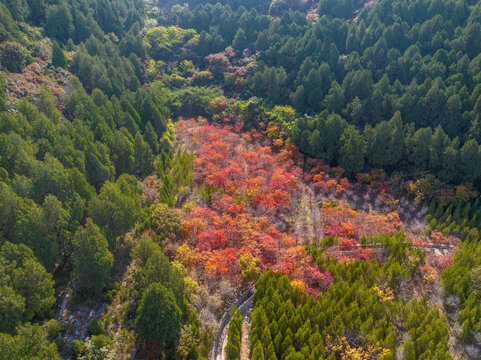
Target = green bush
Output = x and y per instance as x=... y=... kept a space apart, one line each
x=60 y=344
x=52 y=328
x=13 y=56
x=78 y=348
x=100 y=341
x=96 y=327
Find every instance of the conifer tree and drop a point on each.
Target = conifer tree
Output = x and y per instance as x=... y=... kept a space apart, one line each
x=58 y=57
x=258 y=352
x=158 y=316
x=287 y=343
x=91 y=258
x=270 y=351
x=408 y=350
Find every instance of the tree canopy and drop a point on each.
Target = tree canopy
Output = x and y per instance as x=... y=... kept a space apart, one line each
x=91 y=259
x=158 y=316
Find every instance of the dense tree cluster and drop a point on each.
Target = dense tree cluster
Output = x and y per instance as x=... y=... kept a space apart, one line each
x=111 y=63
x=29 y=343
x=175 y=172
x=8 y=27
x=52 y=166
x=359 y=314
x=69 y=186
x=65 y=20
x=415 y=64
x=26 y=287
x=69 y=179
x=339 y=9
x=163 y=316
x=463 y=287
x=461 y=218
x=94 y=174
x=390 y=145
x=272 y=7
x=99 y=64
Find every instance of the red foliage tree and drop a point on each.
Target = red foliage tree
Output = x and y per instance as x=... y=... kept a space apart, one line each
x=253 y=185
x=346 y=244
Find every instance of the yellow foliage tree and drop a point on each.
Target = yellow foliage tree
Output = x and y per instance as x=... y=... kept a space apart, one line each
x=162 y=41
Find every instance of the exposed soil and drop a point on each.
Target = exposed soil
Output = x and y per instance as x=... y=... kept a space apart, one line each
x=244 y=304
x=246 y=329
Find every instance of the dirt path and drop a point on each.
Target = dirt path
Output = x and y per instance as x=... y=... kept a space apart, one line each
x=223 y=343
x=244 y=304
x=246 y=329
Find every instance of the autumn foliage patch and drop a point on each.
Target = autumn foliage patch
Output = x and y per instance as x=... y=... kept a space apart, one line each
x=245 y=198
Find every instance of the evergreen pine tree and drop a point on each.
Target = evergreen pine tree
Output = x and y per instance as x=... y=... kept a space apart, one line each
x=91 y=258
x=269 y=351
x=58 y=57
x=408 y=350
x=158 y=316
x=257 y=352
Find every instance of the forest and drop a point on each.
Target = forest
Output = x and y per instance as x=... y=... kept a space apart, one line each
x=237 y=180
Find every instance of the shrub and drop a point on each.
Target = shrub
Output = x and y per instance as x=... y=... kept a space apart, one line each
x=52 y=328
x=13 y=56
x=78 y=348
x=60 y=344
x=96 y=327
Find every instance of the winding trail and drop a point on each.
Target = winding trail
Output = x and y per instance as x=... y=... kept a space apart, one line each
x=307 y=226
x=244 y=304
